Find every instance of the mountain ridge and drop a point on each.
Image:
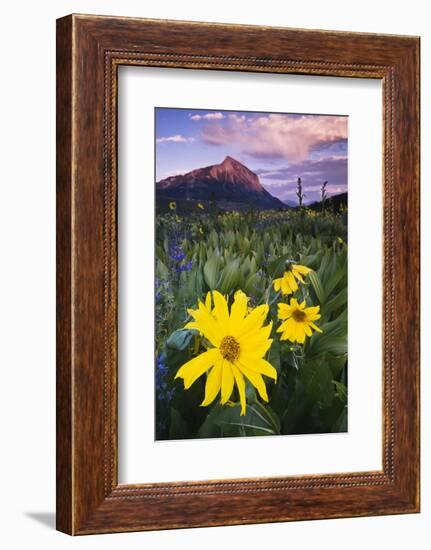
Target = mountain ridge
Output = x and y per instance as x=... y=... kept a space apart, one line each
x=230 y=184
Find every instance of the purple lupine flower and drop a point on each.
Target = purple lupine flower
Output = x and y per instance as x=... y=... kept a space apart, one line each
x=177 y=255
x=161 y=374
x=185 y=267
x=164 y=396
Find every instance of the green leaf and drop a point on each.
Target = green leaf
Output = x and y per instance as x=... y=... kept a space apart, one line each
x=328 y=343
x=178 y=426
x=332 y=305
x=340 y=390
x=337 y=276
x=325 y=264
x=229 y=277
x=265 y=431
x=277 y=267
x=317 y=380
x=180 y=339
x=340 y=424
x=224 y=420
x=211 y=271
x=161 y=270
x=317 y=286
x=251 y=283
x=268 y=414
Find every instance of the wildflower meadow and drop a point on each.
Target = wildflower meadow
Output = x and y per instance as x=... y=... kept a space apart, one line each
x=251 y=322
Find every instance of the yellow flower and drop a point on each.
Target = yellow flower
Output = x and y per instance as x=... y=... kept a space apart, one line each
x=208 y=306
x=239 y=341
x=288 y=283
x=173 y=205
x=200 y=205
x=298 y=321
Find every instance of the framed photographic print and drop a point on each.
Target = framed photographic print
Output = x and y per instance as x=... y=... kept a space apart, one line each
x=237 y=274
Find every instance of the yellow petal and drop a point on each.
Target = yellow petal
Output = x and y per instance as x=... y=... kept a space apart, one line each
x=213 y=385
x=292 y=281
x=227 y=382
x=297 y=275
x=239 y=307
x=259 y=365
x=255 y=337
x=193 y=325
x=288 y=330
x=315 y=327
x=208 y=325
x=254 y=320
x=314 y=317
x=256 y=379
x=221 y=311
x=194 y=368
x=285 y=287
x=294 y=303
x=284 y=311
x=307 y=329
x=257 y=341
x=277 y=284
x=286 y=325
x=239 y=379
x=300 y=333
x=302 y=269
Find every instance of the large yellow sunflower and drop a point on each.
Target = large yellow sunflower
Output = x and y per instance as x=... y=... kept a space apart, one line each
x=239 y=341
x=298 y=321
x=288 y=283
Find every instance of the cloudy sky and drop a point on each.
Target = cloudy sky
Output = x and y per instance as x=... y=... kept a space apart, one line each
x=279 y=148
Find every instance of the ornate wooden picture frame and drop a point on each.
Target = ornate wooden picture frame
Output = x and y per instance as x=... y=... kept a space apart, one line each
x=89 y=51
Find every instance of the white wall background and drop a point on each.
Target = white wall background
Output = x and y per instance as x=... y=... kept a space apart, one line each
x=27 y=279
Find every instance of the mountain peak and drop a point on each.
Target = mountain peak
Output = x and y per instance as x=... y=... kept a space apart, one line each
x=229 y=181
x=234 y=172
x=231 y=162
x=229 y=159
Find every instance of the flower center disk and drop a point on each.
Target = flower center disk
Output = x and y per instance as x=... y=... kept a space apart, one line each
x=229 y=348
x=299 y=315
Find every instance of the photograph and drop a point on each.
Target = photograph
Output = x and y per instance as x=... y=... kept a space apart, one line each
x=212 y=315
x=251 y=273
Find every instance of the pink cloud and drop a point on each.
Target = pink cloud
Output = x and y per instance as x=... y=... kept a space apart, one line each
x=276 y=135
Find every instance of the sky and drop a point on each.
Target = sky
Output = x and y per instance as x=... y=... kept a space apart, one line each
x=278 y=147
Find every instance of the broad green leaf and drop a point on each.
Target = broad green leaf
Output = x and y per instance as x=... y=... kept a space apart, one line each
x=341 y=390
x=332 y=344
x=333 y=281
x=212 y=271
x=229 y=278
x=180 y=339
x=317 y=380
x=251 y=283
x=161 y=270
x=336 y=302
x=317 y=286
